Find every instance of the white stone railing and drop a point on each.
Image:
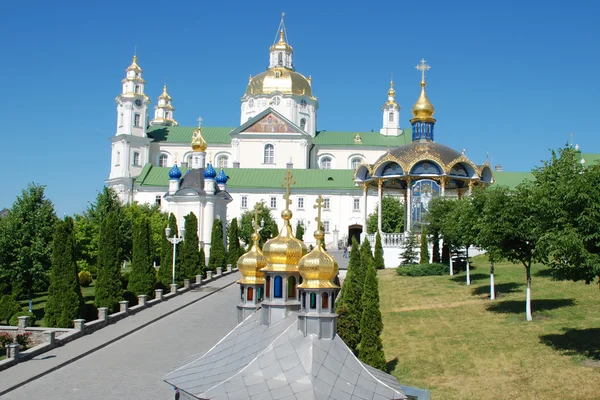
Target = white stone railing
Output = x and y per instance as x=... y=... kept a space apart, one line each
x=388 y=239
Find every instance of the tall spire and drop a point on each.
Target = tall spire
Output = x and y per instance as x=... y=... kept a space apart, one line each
x=423 y=110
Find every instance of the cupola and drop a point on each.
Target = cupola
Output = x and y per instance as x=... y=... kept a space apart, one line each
x=423 y=121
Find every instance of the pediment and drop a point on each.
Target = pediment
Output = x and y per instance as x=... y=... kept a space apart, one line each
x=271 y=122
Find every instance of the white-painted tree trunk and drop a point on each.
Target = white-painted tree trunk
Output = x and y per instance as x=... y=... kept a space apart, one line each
x=468 y=269
x=451 y=266
x=492 y=290
x=528 y=305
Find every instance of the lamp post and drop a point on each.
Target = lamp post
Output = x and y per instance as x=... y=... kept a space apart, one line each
x=175 y=241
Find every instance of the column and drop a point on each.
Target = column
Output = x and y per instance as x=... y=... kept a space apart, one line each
x=207 y=222
x=365 y=195
x=408 y=205
x=379 y=196
x=443 y=185
x=470 y=187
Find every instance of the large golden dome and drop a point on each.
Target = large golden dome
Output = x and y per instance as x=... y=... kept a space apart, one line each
x=423 y=109
x=198 y=142
x=281 y=80
x=318 y=269
x=284 y=251
x=251 y=263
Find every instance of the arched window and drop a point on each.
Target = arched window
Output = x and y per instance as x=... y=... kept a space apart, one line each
x=162 y=160
x=136 y=158
x=326 y=163
x=278 y=286
x=291 y=288
x=250 y=294
x=269 y=154
x=303 y=123
x=391 y=116
x=313 y=300
x=325 y=301
x=355 y=162
x=268 y=287
x=222 y=161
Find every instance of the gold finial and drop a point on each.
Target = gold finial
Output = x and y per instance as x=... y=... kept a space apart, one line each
x=250 y=78
x=198 y=142
x=423 y=109
x=134 y=66
x=281 y=36
x=423 y=67
x=257 y=212
x=319 y=206
x=288 y=181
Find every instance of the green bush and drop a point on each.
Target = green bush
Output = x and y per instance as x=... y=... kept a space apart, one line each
x=131 y=298
x=90 y=312
x=85 y=278
x=8 y=307
x=14 y=320
x=423 y=269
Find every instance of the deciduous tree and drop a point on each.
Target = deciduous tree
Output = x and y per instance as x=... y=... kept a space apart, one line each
x=265 y=221
x=392 y=217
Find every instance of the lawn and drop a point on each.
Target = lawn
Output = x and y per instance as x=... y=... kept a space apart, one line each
x=454 y=341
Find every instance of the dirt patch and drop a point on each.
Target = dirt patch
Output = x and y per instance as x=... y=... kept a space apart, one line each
x=590 y=362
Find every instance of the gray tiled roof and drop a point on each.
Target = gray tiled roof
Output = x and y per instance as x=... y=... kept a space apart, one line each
x=259 y=362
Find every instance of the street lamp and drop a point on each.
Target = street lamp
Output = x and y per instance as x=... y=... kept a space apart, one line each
x=174 y=240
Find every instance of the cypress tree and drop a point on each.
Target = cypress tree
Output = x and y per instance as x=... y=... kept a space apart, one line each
x=366 y=260
x=143 y=275
x=436 y=248
x=409 y=255
x=217 y=256
x=203 y=260
x=65 y=302
x=424 y=256
x=371 y=326
x=165 y=272
x=190 y=252
x=299 y=231
x=109 y=290
x=378 y=259
x=348 y=305
x=234 y=250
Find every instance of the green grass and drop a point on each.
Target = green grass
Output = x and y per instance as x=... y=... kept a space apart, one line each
x=453 y=340
x=41 y=298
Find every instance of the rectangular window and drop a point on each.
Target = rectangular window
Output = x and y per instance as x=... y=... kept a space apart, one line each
x=157 y=200
x=326 y=204
x=301 y=203
x=137 y=89
x=273 y=202
x=326 y=226
x=136 y=158
x=118 y=158
x=136 y=120
x=244 y=201
x=356 y=204
x=121 y=119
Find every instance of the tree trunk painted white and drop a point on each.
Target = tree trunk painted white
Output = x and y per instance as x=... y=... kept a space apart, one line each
x=468 y=269
x=528 y=298
x=492 y=291
x=451 y=266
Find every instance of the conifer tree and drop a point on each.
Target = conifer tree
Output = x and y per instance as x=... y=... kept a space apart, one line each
x=348 y=305
x=234 y=251
x=371 y=326
x=109 y=290
x=409 y=255
x=299 y=231
x=190 y=253
x=436 y=248
x=424 y=256
x=65 y=302
x=203 y=260
x=217 y=255
x=366 y=260
x=143 y=275
x=378 y=259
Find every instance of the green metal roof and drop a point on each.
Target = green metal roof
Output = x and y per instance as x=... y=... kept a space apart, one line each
x=259 y=178
x=332 y=138
x=511 y=179
x=591 y=158
x=183 y=134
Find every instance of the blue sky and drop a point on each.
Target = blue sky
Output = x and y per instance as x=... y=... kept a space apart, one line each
x=511 y=78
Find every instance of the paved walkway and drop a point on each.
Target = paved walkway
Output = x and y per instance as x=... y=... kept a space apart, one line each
x=127 y=360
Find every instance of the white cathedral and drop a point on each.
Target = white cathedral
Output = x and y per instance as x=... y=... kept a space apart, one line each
x=220 y=172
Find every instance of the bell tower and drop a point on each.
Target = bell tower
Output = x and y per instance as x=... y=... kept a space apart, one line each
x=391 y=114
x=280 y=52
x=132 y=103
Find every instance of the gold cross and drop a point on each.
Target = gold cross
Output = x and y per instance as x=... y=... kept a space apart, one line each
x=288 y=181
x=319 y=206
x=257 y=211
x=423 y=67
x=199 y=122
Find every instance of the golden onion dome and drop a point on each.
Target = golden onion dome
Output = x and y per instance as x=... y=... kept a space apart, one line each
x=318 y=269
x=251 y=263
x=391 y=92
x=164 y=94
x=423 y=109
x=134 y=66
x=284 y=251
x=198 y=142
x=282 y=45
x=281 y=80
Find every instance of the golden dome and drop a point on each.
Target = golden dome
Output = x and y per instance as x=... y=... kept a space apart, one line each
x=318 y=269
x=423 y=109
x=391 y=92
x=282 y=45
x=198 y=142
x=281 y=80
x=251 y=263
x=164 y=94
x=134 y=66
x=284 y=251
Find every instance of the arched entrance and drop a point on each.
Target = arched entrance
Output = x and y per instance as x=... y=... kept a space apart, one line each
x=354 y=231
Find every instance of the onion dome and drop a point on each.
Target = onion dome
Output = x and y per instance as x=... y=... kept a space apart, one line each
x=284 y=251
x=391 y=97
x=221 y=178
x=198 y=142
x=281 y=80
x=318 y=269
x=134 y=66
x=282 y=45
x=164 y=94
x=423 y=109
x=251 y=263
x=209 y=172
x=174 y=173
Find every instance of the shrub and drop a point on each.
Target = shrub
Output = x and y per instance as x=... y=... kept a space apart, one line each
x=131 y=298
x=85 y=278
x=14 y=320
x=23 y=339
x=422 y=269
x=8 y=307
x=90 y=312
x=5 y=339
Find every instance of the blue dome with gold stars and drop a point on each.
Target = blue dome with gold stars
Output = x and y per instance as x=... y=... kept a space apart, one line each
x=175 y=173
x=209 y=172
x=222 y=178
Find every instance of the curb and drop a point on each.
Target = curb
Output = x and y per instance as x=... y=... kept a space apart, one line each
x=93 y=350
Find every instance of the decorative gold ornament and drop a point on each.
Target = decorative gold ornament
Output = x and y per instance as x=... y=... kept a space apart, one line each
x=251 y=263
x=164 y=94
x=318 y=269
x=198 y=142
x=423 y=109
x=134 y=66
